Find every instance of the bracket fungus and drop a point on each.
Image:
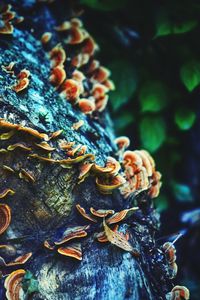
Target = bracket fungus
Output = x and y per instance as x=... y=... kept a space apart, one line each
x=57 y=56
x=7 y=135
x=107 y=186
x=72 y=233
x=5 y=217
x=22 y=81
x=57 y=76
x=121 y=215
x=20 y=260
x=46 y=37
x=179 y=293
x=84 y=214
x=73 y=33
x=26 y=175
x=140 y=174
x=21 y=146
x=78 y=125
x=73 y=250
x=101 y=213
x=13 y=284
x=7 y=19
x=6 y=192
x=170 y=253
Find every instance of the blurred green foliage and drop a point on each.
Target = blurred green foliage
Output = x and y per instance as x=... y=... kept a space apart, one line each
x=190 y=74
x=125 y=80
x=104 y=5
x=152 y=131
x=153 y=51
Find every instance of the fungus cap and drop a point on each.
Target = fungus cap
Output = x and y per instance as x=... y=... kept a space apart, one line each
x=73 y=250
x=5 y=217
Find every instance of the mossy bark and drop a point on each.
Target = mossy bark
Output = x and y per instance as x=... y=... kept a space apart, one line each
x=42 y=207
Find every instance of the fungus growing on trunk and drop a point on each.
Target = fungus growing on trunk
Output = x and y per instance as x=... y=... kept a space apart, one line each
x=13 y=284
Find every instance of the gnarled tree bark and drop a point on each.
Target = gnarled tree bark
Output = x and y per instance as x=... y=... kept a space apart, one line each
x=41 y=208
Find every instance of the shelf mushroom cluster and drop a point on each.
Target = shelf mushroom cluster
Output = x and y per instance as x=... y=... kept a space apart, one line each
x=178 y=293
x=13 y=284
x=110 y=217
x=13 y=280
x=8 y=19
x=170 y=253
x=76 y=75
x=139 y=170
x=71 y=249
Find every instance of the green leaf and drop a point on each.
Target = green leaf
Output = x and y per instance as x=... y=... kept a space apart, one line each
x=163 y=28
x=190 y=74
x=29 y=283
x=122 y=121
x=185 y=119
x=182 y=192
x=28 y=275
x=161 y=203
x=124 y=77
x=185 y=26
x=33 y=286
x=152 y=132
x=153 y=96
x=165 y=25
x=104 y=5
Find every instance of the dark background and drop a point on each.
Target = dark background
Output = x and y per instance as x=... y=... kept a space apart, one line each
x=153 y=51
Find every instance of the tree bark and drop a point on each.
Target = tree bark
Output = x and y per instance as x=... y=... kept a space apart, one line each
x=41 y=208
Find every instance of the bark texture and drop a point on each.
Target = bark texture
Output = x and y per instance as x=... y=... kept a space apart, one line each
x=41 y=209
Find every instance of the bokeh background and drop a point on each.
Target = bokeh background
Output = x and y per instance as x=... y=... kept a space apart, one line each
x=153 y=51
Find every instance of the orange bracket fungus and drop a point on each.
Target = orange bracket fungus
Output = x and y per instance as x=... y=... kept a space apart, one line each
x=86 y=106
x=7 y=135
x=45 y=146
x=21 y=260
x=84 y=214
x=6 y=192
x=101 y=213
x=73 y=250
x=20 y=146
x=107 y=186
x=8 y=169
x=57 y=56
x=45 y=38
x=121 y=215
x=78 y=125
x=72 y=233
x=84 y=170
x=26 y=175
x=22 y=81
x=57 y=77
x=170 y=253
x=13 y=284
x=179 y=293
x=6 y=18
x=140 y=174
x=72 y=89
x=122 y=143
x=5 y=217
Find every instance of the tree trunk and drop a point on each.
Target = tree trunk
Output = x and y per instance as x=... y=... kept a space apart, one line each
x=42 y=208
